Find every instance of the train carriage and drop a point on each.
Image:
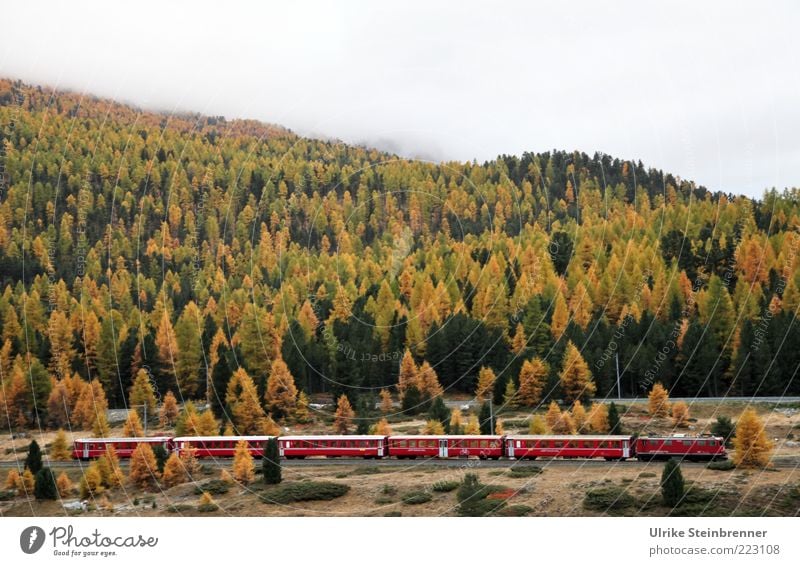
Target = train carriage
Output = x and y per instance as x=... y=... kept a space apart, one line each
x=89 y=448
x=446 y=446
x=220 y=446
x=610 y=447
x=333 y=446
x=680 y=446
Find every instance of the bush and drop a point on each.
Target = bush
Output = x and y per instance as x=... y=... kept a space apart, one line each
x=304 y=491
x=472 y=498
x=7 y=494
x=515 y=511
x=610 y=498
x=388 y=489
x=722 y=465
x=45 y=487
x=417 y=497
x=367 y=470
x=445 y=486
x=524 y=471
x=672 y=488
x=212 y=487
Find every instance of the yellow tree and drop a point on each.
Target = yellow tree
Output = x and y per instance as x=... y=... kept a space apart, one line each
x=680 y=414
x=64 y=485
x=752 y=447
x=59 y=450
x=429 y=385
x=408 y=374
x=520 y=342
x=579 y=416
x=174 y=472
x=242 y=397
x=552 y=416
x=498 y=427
x=433 y=427
x=61 y=339
x=456 y=425
x=344 y=415
x=510 y=395
x=598 y=418
x=114 y=476
x=537 y=425
x=281 y=394
x=91 y=403
x=576 y=379
x=560 y=318
x=243 y=468
x=302 y=413
x=382 y=427
x=133 y=425
x=100 y=427
x=486 y=379
x=473 y=426
x=169 y=410
x=658 y=402
x=142 y=395
x=532 y=379
x=386 y=401
x=564 y=424
x=143 y=467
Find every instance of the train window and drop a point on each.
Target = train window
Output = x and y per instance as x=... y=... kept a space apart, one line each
x=412 y=443
x=687 y=442
x=484 y=444
x=558 y=444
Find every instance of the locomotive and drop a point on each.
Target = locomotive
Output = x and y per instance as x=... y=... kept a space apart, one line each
x=509 y=446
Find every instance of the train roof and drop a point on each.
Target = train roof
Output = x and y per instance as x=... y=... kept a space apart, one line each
x=335 y=437
x=461 y=436
x=569 y=437
x=126 y=439
x=679 y=437
x=218 y=438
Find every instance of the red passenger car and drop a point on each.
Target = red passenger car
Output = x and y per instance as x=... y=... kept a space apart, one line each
x=87 y=448
x=220 y=446
x=679 y=446
x=610 y=447
x=450 y=446
x=332 y=446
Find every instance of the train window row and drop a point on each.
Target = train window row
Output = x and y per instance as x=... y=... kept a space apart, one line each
x=568 y=444
x=329 y=443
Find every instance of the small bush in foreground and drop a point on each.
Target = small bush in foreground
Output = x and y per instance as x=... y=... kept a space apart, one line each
x=304 y=491
x=445 y=486
x=722 y=465
x=417 y=497
x=213 y=487
x=207 y=504
x=611 y=498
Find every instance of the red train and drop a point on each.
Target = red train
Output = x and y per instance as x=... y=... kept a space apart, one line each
x=514 y=446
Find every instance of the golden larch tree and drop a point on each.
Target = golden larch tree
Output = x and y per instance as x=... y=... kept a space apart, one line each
x=143 y=467
x=387 y=404
x=133 y=425
x=142 y=395
x=281 y=394
x=244 y=470
x=429 y=385
x=473 y=426
x=344 y=415
x=680 y=414
x=174 y=472
x=64 y=485
x=579 y=416
x=558 y=323
x=564 y=424
x=532 y=380
x=537 y=425
x=552 y=416
x=598 y=418
x=169 y=410
x=433 y=427
x=302 y=412
x=498 y=427
x=382 y=427
x=12 y=480
x=100 y=426
x=752 y=448
x=456 y=424
x=658 y=402
x=510 y=395
x=576 y=378
x=60 y=449
x=486 y=379
x=242 y=397
x=408 y=373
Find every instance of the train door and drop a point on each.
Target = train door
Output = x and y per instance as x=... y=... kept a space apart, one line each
x=510 y=448
x=442 y=448
x=86 y=450
x=626 y=449
x=381 y=442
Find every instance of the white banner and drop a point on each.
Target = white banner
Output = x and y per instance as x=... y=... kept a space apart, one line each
x=355 y=541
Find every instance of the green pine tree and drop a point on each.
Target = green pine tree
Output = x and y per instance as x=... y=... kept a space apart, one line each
x=45 y=485
x=672 y=488
x=33 y=461
x=270 y=464
x=485 y=419
x=614 y=422
x=161 y=457
x=440 y=412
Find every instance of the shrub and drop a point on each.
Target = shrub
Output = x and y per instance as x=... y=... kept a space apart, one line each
x=417 y=497
x=213 y=487
x=515 y=511
x=672 y=488
x=524 y=471
x=472 y=496
x=445 y=486
x=304 y=491
x=722 y=465
x=609 y=498
x=207 y=504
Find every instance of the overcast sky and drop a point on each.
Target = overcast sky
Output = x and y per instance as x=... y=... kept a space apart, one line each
x=705 y=90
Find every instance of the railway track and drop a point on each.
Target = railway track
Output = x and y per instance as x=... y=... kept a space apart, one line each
x=472 y=463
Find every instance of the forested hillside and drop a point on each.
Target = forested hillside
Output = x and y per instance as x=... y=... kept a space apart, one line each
x=195 y=247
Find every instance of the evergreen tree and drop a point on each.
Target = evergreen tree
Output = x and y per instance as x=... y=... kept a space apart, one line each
x=45 y=485
x=33 y=461
x=485 y=419
x=672 y=488
x=270 y=464
x=161 y=457
x=440 y=413
x=412 y=401
x=724 y=428
x=614 y=422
